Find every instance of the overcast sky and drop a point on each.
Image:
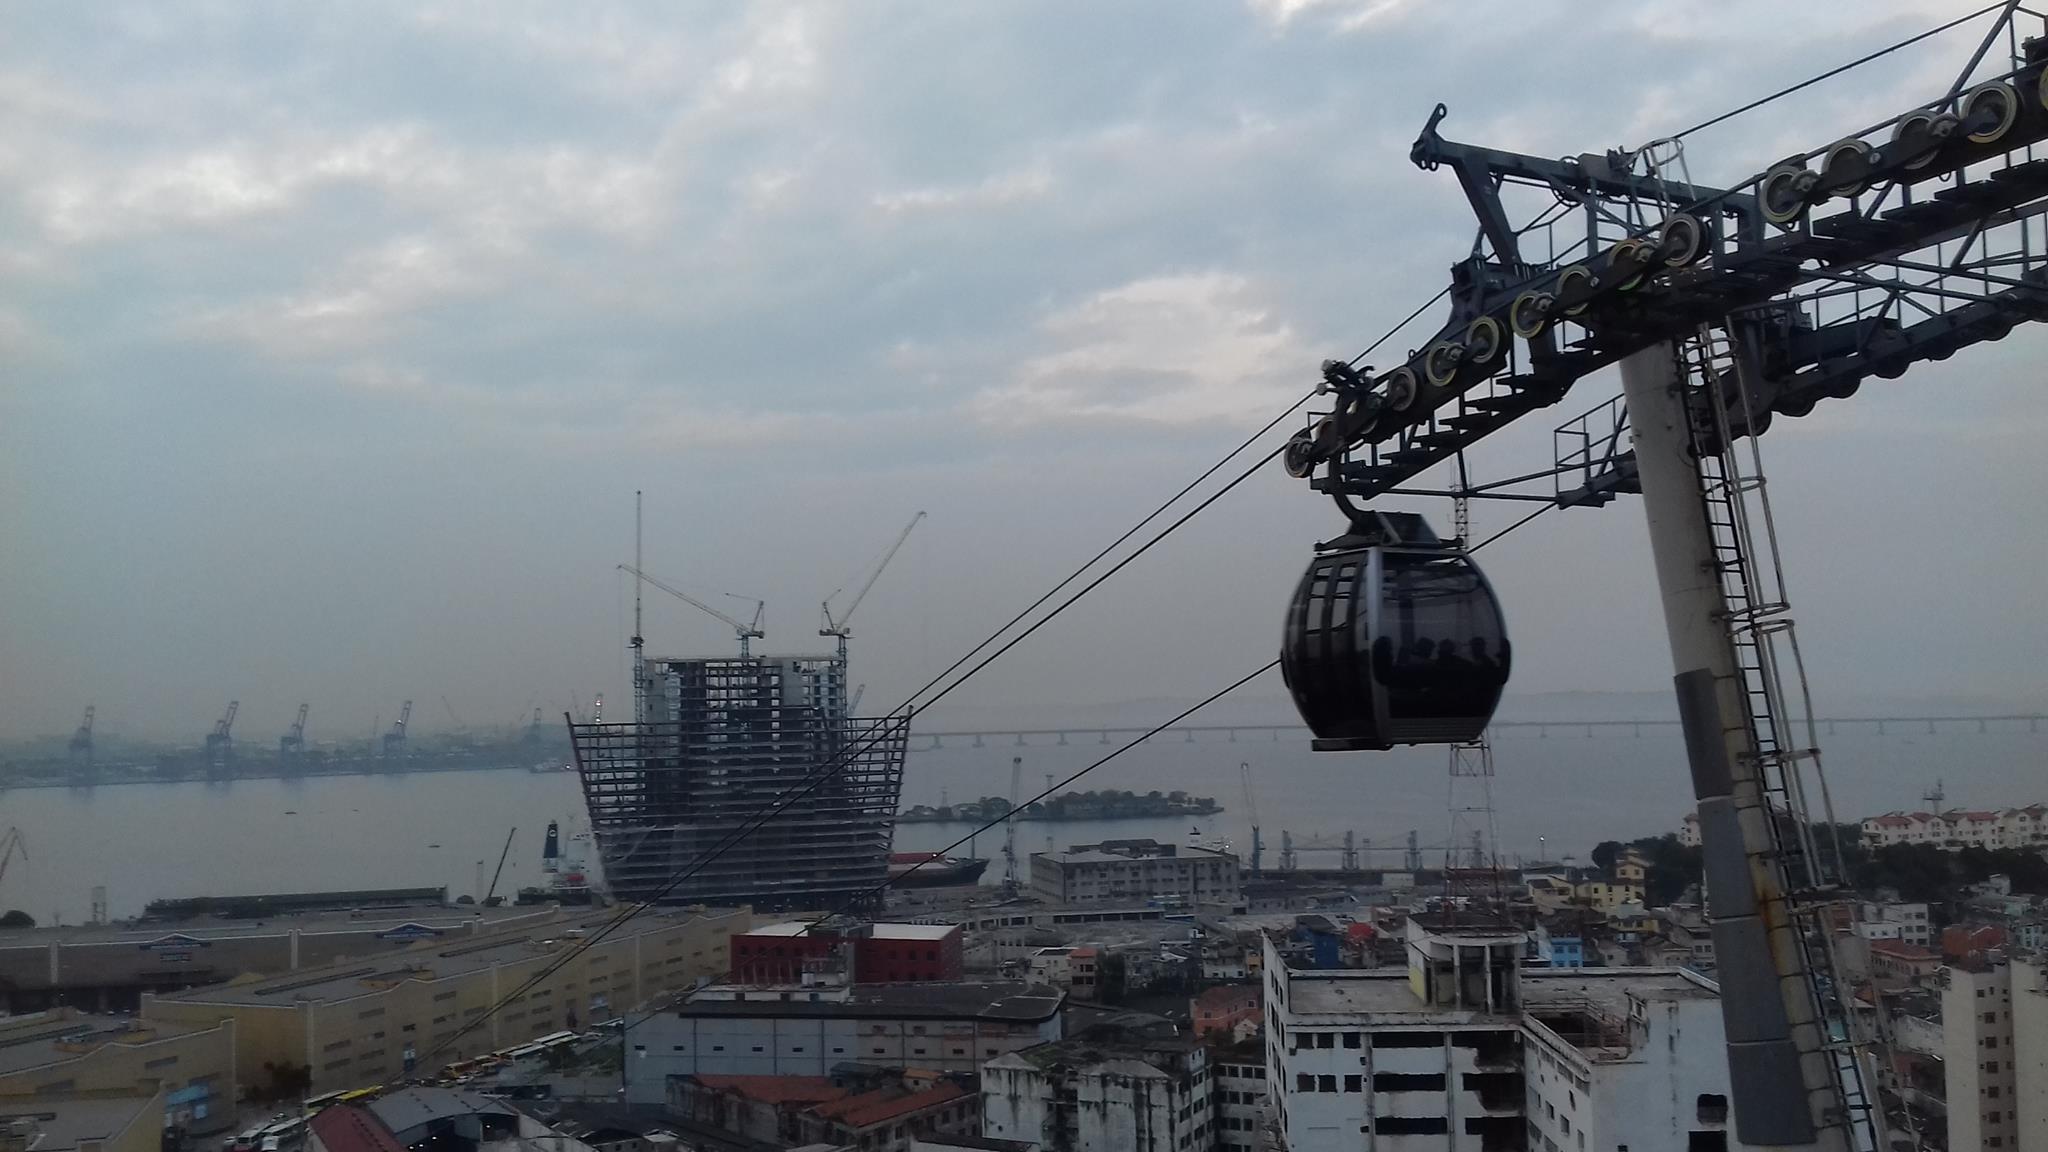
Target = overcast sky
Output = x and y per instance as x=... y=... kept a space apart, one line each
x=335 y=339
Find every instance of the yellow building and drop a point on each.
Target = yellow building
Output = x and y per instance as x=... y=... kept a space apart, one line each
x=353 y=1025
x=53 y=1053
x=109 y=1120
x=1607 y=895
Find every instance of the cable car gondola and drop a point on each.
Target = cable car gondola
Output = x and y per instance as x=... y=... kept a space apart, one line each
x=1393 y=637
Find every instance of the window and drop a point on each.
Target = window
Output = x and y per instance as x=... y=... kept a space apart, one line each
x=1991 y=1017
x=1303 y=1082
x=1712 y=1108
x=1410 y=1125
x=1353 y=1083
x=1991 y=1092
x=1326 y=1040
x=1991 y=1065
x=1351 y=1039
x=1326 y=1083
x=1408 y=1082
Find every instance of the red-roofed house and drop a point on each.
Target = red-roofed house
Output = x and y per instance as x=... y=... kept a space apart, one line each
x=347 y=1128
x=758 y=1107
x=796 y=1110
x=1961 y=942
x=1903 y=961
x=1222 y=1010
x=888 y=1119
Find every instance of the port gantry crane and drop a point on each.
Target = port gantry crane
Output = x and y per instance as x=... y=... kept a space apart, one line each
x=293 y=742
x=838 y=627
x=81 y=740
x=746 y=632
x=394 y=740
x=1725 y=308
x=220 y=743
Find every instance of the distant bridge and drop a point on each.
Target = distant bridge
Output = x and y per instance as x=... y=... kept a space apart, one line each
x=1539 y=729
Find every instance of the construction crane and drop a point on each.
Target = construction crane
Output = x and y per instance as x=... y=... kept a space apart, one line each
x=293 y=743
x=81 y=740
x=1251 y=812
x=746 y=632
x=394 y=740
x=492 y=893
x=1010 y=881
x=452 y=717
x=220 y=743
x=11 y=845
x=838 y=627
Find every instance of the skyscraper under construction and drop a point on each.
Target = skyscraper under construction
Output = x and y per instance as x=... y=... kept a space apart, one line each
x=722 y=743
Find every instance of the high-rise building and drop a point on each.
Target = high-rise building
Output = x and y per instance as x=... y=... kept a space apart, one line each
x=681 y=800
x=1463 y=1050
x=1994 y=1025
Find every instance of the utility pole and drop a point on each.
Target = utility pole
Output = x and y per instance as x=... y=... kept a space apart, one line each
x=1777 y=1050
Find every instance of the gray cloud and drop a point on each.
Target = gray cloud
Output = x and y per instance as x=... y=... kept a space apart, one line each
x=334 y=341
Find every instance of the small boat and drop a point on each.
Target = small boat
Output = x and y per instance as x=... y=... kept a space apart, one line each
x=932 y=870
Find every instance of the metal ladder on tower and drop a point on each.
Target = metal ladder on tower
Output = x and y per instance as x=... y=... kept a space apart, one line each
x=1735 y=495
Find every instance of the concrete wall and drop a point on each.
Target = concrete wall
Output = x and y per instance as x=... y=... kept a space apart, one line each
x=675 y=1043
x=1119 y=1106
x=2030 y=1053
x=102 y=969
x=363 y=1038
x=196 y=1069
x=1651 y=1097
x=1977 y=1055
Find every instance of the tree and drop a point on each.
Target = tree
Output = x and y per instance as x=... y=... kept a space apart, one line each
x=16 y=918
x=1605 y=854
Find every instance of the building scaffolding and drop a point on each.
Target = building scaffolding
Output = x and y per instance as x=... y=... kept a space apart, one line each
x=723 y=741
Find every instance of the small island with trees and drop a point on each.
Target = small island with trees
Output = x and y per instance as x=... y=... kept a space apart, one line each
x=1108 y=804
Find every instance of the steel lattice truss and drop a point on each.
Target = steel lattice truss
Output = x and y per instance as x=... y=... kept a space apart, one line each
x=1903 y=242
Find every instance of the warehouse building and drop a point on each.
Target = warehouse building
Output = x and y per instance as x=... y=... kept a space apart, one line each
x=351 y=1025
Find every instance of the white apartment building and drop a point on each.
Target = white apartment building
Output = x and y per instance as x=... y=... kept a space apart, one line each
x=1112 y=1089
x=1906 y=922
x=726 y=1030
x=1464 y=1051
x=1124 y=871
x=1995 y=1056
x=1961 y=828
x=1238 y=1074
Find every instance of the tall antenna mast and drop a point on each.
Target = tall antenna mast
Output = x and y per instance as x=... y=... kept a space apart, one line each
x=638 y=643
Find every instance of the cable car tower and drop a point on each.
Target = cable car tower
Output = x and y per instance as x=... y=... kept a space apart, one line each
x=1725 y=308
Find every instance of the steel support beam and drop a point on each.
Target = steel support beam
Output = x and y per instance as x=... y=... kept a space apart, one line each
x=1777 y=1064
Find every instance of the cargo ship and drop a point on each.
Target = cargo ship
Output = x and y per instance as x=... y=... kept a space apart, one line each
x=932 y=870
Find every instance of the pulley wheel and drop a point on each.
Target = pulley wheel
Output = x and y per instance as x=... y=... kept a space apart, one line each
x=1300 y=456
x=1530 y=313
x=1847 y=156
x=1401 y=388
x=1915 y=137
x=1324 y=434
x=1575 y=278
x=1779 y=196
x=1995 y=95
x=1483 y=341
x=1358 y=417
x=1441 y=364
x=1630 y=253
x=1680 y=240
